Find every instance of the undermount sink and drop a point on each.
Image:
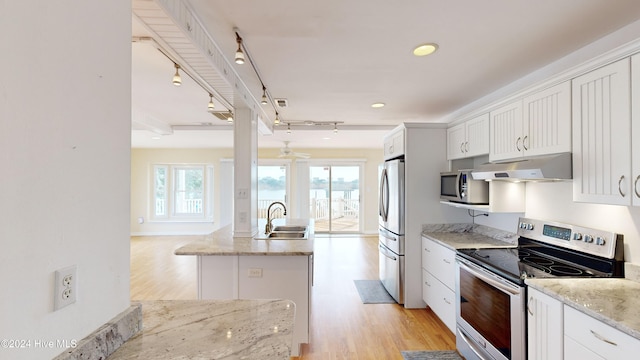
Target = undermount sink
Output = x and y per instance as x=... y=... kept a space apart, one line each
x=287 y=235
x=290 y=228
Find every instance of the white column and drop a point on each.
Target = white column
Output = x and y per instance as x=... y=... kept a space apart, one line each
x=245 y=171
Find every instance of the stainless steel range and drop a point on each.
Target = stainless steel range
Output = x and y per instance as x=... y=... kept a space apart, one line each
x=490 y=283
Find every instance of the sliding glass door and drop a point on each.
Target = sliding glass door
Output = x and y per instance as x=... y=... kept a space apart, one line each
x=334 y=197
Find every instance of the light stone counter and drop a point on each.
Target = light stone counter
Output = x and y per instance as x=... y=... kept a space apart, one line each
x=612 y=301
x=469 y=236
x=213 y=329
x=222 y=242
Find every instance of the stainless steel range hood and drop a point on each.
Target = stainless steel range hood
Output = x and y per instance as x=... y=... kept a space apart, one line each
x=543 y=168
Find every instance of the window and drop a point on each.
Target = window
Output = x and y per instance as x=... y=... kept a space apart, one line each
x=182 y=193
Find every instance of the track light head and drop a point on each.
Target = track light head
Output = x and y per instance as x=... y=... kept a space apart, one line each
x=211 y=105
x=335 y=128
x=288 y=128
x=230 y=117
x=177 y=81
x=277 y=120
x=264 y=97
x=239 y=59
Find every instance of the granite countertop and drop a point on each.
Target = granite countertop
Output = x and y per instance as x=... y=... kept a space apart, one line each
x=212 y=329
x=469 y=236
x=612 y=301
x=222 y=242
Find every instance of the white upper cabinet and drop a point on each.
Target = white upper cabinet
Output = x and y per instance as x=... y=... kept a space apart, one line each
x=394 y=144
x=635 y=128
x=468 y=139
x=536 y=125
x=602 y=135
x=506 y=132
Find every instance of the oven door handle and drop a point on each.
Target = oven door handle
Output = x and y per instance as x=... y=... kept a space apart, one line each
x=472 y=345
x=489 y=280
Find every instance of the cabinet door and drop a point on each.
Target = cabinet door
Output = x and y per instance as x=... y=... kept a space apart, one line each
x=505 y=135
x=545 y=326
x=635 y=128
x=456 y=142
x=477 y=136
x=547 y=121
x=602 y=135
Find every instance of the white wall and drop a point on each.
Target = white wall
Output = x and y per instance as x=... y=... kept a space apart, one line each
x=64 y=153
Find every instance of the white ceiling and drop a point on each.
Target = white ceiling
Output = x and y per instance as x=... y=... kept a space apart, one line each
x=332 y=59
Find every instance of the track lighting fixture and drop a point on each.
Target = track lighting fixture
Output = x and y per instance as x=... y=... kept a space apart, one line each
x=176 y=77
x=264 y=96
x=239 y=54
x=335 y=128
x=277 y=120
x=211 y=104
x=288 y=128
x=230 y=117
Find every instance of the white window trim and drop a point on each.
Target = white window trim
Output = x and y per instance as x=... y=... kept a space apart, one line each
x=171 y=215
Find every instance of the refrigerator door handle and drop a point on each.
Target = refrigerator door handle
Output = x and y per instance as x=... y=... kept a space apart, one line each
x=385 y=252
x=384 y=195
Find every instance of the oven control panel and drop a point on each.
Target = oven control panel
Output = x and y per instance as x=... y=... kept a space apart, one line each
x=592 y=241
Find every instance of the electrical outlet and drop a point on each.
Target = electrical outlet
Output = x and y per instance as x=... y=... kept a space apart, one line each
x=255 y=272
x=65 y=289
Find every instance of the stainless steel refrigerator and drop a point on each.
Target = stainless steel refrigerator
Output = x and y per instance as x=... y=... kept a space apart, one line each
x=391 y=228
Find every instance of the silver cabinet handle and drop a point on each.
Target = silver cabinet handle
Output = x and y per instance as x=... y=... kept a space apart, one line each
x=529 y=305
x=466 y=146
x=619 y=186
x=524 y=142
x=427 y=283
x=447 y=301
x=602 y=338
x=462 y=147
x=518 y=143
x=427 y=250
x=446 y=261
x=635 y=186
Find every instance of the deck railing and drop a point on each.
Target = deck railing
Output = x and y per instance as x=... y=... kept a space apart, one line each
x=318 y=208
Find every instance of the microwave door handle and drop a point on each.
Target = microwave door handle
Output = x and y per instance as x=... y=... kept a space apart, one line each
x=458 y=185
x=497 y=284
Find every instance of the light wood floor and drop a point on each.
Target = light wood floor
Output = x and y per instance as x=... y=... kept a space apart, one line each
x=341 y=326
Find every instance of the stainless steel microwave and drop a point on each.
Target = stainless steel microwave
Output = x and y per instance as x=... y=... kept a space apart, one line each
x=459 y=186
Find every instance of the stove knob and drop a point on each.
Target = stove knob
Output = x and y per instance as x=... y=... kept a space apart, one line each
x=600 y=241
x=529 y=226
x=588 y=238
x=577 y=236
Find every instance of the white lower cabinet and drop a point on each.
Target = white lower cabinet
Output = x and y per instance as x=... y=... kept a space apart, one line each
x=588 y=338
x=438 y=281
x=261 y=277
x=544 y=326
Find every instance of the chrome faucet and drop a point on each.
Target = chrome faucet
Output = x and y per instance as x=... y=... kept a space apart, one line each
x=268 y=227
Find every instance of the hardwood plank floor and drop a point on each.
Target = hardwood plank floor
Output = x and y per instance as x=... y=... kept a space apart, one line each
x=341 y=326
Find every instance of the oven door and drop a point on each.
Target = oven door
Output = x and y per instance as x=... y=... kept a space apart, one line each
x=490 y=314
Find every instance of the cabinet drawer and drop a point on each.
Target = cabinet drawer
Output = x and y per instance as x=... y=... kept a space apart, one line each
x=439 y=261
x=441 y=300
x=597 y=336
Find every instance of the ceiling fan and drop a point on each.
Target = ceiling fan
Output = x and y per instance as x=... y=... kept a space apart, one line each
x=286 y=151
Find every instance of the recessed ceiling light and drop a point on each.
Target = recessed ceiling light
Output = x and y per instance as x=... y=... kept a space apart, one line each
x=156 y=138
x=377 y=105
x=425 y=49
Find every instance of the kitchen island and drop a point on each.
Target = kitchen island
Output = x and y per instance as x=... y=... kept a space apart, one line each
x=258 y=268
